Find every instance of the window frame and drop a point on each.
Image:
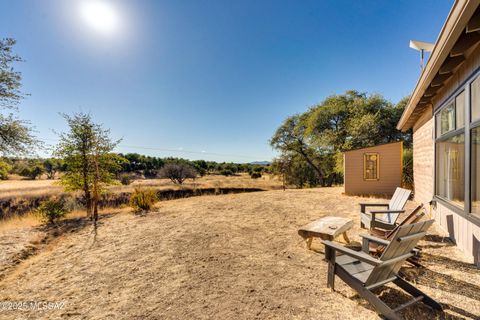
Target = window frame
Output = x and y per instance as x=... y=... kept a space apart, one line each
x=469 y=124
x=377 y=161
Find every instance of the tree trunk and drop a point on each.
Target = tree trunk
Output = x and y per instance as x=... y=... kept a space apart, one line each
x=96 y=191
x=88 y=199
x=86 y=188
x=316 y=168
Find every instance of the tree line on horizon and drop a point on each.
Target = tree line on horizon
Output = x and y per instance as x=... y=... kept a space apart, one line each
x=131 y=166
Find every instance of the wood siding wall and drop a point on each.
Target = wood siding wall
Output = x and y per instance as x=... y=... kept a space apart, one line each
x=423 y=156
x=390 y=170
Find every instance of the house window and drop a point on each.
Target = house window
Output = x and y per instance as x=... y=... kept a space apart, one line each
x=371 y=165
x=446 y=119
x=475 y=93
x=450 y=175
x=457 y=164
x=460 y=110
x=450 y=151
x=475 y=148
x=475 y=170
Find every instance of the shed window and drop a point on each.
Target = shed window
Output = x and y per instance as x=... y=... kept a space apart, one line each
x=371 y=164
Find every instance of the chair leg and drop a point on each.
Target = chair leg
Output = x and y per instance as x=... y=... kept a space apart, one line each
x=380 y=307
x=345 y=237
x=415 y=262
x=331 y=275
x=416 y=292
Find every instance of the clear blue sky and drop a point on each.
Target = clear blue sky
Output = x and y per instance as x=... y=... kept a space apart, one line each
x=216 y=77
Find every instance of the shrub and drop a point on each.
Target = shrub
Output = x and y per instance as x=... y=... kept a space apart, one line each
x=125 y=179
x=226 y=172
x=296 y=171
x=4 y=170
x=32 y=172
x=258 y=169
x=256 y=175
x=407 y=176
x=177 y=172
x=52 y=210
x=143 y=199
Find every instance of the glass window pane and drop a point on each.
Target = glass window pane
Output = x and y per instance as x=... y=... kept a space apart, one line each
x=438 y=126
x=446 y=122
x=370 y=162
x=475 y=94
x=475 y=179
x=460 y=110
x=450 y=173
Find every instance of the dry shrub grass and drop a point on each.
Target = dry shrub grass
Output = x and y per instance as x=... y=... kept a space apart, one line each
x=31 y=188
x=224 y=257
x=19 y=222
x=17 y=197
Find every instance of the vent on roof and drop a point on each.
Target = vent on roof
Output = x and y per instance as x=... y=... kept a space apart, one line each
x=422 y=47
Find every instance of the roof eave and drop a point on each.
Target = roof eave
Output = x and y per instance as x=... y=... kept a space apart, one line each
x=457 y=19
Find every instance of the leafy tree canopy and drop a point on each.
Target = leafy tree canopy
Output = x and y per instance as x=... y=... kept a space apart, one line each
x=15 y=134
x=340 y=123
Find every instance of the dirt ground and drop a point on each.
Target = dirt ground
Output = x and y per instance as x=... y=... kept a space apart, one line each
x=223 y=257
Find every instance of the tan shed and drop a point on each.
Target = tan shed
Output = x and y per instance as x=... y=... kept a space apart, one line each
x=374 y=170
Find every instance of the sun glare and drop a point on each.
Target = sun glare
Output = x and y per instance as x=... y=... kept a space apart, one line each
x=100 y=16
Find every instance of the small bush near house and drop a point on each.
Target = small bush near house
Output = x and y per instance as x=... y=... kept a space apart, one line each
x=256 y=175
x=407 y=174
x=52 y=210
x=143 y=200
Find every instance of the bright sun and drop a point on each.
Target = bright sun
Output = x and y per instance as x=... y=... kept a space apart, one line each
x=100 y=16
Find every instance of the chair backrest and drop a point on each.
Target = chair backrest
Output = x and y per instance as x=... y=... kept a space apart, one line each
x=413 y=217
x=398 y=250
x=399 y=199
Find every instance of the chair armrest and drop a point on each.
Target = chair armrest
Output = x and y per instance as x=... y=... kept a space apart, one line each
x=364 y=205
x=352 y=253
x=373 y=213
x=369 y=238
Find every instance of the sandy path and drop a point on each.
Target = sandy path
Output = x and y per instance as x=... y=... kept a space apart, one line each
x=225 y=257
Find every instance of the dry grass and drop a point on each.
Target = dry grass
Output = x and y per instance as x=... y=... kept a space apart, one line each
x=28 y=188
x=36 y=188
x=19 y=222
x=225 y=257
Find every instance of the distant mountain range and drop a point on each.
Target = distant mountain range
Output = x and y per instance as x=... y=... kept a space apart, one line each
x=262 y=163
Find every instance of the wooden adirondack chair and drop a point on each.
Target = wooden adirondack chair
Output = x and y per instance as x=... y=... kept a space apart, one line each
x=376 y=249
x=386 y=218
x=412 y=217
x=364 y=273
